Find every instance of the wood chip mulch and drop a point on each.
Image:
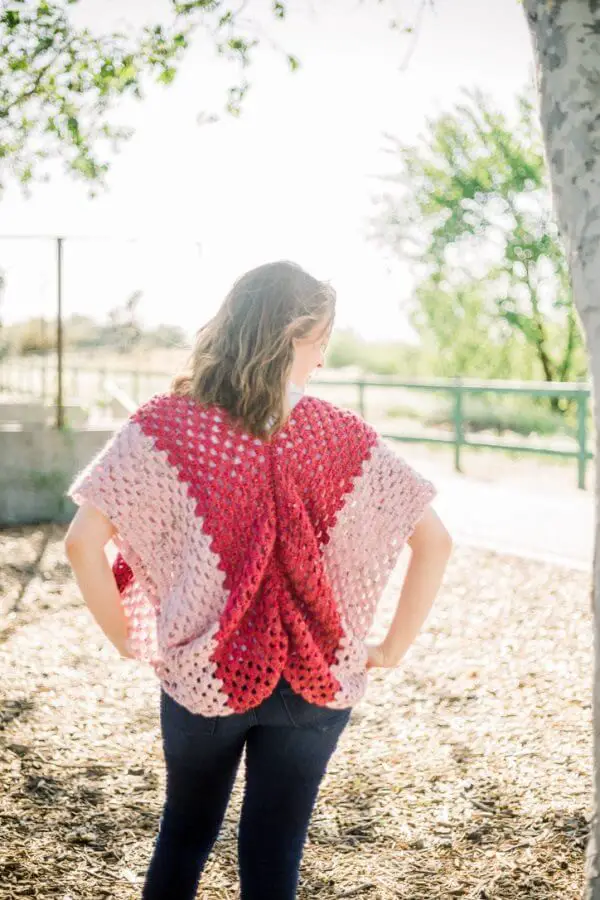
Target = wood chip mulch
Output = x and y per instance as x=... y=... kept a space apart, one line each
x=465 y=773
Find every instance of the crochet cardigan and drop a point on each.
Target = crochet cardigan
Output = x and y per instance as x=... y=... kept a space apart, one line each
x=240 y=559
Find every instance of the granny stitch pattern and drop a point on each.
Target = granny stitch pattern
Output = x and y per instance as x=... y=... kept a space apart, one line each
x=240 y=559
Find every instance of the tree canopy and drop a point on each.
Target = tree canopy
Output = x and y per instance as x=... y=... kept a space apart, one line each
x=471 y=206
x=59 y=81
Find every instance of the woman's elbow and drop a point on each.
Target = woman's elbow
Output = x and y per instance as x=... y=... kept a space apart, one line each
x=73 y=544
x=431 y=536
x=440 y=542
x=445 y=541
x=89 y=532
x=78 y=541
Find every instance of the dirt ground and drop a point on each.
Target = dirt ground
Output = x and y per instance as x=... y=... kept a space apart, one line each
x=465 y=773
x=554 y=475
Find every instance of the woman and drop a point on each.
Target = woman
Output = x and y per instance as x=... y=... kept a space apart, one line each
x=256 y=528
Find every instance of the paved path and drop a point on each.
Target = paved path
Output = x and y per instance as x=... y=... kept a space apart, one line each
x=524 y=521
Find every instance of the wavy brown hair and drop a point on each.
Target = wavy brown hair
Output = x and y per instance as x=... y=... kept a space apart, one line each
x=243 y=356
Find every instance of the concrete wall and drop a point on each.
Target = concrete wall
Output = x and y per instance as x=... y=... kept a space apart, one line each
x=36 y=468
x=37 y=415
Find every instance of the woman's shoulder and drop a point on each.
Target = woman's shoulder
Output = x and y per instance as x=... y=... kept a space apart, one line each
x=334 y=423
x=167 y=405
x=338 y=416
x=183 y=418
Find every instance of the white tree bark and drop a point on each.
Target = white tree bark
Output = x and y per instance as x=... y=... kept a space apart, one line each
x=566 y=40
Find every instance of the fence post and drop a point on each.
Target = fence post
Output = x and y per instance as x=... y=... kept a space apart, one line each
x=361 y=398
x=60 y=411
x=458 y=423
x=581 y=438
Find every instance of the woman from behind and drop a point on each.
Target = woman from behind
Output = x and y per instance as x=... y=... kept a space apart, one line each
x=256 y=528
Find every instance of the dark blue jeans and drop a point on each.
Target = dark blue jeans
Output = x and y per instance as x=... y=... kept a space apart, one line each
x=288 y=745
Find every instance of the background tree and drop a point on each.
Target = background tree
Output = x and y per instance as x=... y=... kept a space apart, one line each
x=33 y=337
x=59 y=82
x=462 y=333
x=566 y=41
x=82 y=332
x=471 y=206
x=124 y=324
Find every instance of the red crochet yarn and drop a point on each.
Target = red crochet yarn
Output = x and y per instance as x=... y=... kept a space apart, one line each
x=266 y=529
x=123 y=573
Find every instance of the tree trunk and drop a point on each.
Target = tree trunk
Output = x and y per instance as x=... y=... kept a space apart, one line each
x=566 y=40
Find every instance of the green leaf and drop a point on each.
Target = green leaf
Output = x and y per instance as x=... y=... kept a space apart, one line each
x=167 y=75
x=73 y=126
x=11 y=19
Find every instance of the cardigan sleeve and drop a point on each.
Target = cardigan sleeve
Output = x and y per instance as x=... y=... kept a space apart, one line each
x=121 y=481
x=382 y=505
x=380 y=489
x=399 y=492
x=113 y=480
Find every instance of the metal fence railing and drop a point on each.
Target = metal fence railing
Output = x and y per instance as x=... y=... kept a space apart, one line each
x=31 y=377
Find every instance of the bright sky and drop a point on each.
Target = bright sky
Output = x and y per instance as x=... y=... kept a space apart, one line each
x=293 y=178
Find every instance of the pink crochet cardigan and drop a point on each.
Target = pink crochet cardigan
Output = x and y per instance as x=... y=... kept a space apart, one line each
x=242 y=560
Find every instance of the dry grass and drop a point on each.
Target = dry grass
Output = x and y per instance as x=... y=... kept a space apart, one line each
x=463 y=774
